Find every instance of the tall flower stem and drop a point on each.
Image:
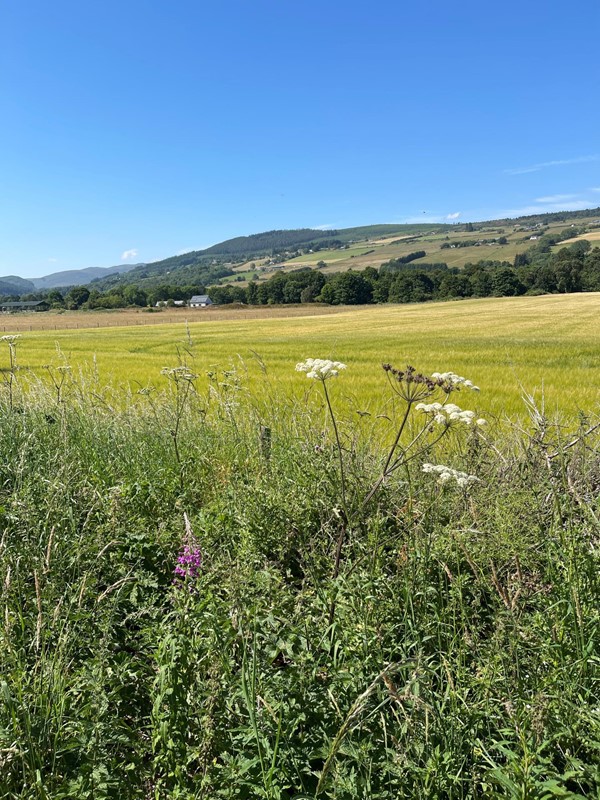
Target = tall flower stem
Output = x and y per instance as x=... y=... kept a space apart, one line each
x=393 y=449
x=339 y=449
x=337 y=559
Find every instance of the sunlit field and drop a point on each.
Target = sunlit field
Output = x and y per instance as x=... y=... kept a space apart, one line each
x=544 y=346
x=240 y=587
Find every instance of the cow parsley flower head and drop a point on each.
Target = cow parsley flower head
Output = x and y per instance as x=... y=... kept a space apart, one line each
x=446 y=414
x=181 y=373
x=447 y=474
x=320 y=369
x=450 y=381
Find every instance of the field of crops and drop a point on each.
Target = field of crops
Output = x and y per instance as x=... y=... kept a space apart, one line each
x=240 y=587
x=548 y=346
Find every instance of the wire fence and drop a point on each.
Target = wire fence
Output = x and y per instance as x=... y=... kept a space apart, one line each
x=43 y=325
x=38 y=321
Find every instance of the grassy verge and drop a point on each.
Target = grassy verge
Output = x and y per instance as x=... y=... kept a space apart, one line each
x=217 y=592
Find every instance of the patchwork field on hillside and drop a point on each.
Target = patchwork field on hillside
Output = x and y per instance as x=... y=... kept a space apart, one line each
x=444 y=245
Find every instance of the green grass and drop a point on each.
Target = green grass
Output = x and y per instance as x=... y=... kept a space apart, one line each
x=460 y=256
x=246 y=275
x=330 y=255
x=548 y=345
x=344 y=637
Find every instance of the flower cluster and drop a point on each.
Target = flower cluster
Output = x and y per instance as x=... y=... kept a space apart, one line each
x=445 y=474
x=410 y=384
x=410 y=375
x=176 y=374
x=189 y=560
x=10 y=338
x=320 y=369
x=454 y=381
x=189 y=563
x=445 y=414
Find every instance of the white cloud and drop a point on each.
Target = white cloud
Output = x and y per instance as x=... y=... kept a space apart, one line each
x=556 y=198
x=427 y=217
x=52 y=260
x=326 y=227
x=546 y=208
x=544 y=164
x=595 y=189
x=422 y=218
x=128 y=254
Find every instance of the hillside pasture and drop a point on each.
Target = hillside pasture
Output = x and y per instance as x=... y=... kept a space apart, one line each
x=544 y=346
x=375 y=252
x=591 y=236
x=330 y=255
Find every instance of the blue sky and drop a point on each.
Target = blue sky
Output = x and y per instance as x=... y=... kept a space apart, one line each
x=137 y=129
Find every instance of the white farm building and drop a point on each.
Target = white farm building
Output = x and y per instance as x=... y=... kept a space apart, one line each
x=200 y=301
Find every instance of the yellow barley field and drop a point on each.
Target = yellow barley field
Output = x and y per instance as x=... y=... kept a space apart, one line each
x=546 y=346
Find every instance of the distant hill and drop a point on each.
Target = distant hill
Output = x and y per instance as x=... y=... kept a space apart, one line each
x=78 y=277
x=214 y=263
x=279 y=240
x=15 y=286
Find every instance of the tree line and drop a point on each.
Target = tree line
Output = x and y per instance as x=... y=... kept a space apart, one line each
x=575 y=268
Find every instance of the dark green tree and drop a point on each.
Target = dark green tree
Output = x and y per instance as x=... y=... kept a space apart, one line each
x=77 y=297
x=252 y=293
x=55 y=298
x=506 y=283
x=350 y=288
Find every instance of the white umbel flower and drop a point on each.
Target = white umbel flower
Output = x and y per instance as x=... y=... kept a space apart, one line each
x=320 y=369
x=449 y=413
x=446 y=474
x=455 y=380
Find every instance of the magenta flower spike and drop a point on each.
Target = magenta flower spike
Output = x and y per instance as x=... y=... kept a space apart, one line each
x=189 y=560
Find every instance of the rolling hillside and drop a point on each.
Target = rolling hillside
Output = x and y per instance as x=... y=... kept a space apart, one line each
x=260 y=255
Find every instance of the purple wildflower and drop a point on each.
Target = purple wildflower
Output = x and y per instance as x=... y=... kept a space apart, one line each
x=189 y=560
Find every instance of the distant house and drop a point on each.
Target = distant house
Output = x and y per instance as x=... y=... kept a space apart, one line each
x=25 y=305
x=177 y=303
x=200 y=301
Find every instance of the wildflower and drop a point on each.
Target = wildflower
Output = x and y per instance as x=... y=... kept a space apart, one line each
x=446 y=474
x=179 y=373
x=11 y=338
x=320 y=369
x=445 y=414
x=450 y=381
x=410 y=384
x=189 y=560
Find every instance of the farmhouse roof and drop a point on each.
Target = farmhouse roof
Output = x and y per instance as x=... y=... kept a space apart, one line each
x=24 y=304
x=200 y=298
